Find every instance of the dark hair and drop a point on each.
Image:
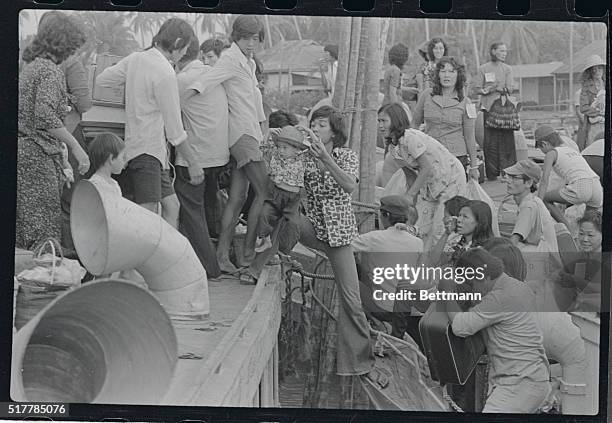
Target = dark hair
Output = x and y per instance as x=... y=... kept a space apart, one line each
x=332 y=49
x=336 y=123
x=245 y=26
x=192 y=52
x=509 y=254
x=281 y=118
x=484 y=218
x=430 y=46
x=409 y=219
x=454 y=205
x=398 y=55
x=216 y=45
x=553 y=139
x=593 y=217
x=57 y=39
x=174 y=34
x=259 y=69
x=495 y=46
x=461 y=78
x=479 y=258
x=399 y=121
x=104 y=146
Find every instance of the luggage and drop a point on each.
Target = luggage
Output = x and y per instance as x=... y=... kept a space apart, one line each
x=451 y=359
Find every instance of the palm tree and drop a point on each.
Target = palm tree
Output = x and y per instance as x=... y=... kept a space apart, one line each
x=107 y=32
x=146 y=24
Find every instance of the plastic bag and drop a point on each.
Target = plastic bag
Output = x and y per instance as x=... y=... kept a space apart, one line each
x=473 y=191
x=396 y=185
x=68 y=273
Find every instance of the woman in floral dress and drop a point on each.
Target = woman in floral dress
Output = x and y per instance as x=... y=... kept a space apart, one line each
x=43 y=104
x=440 y=174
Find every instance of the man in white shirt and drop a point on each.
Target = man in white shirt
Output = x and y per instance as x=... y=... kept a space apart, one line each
x=205 y=117
x=235 y=70
x=153 y=114
x=396 y=244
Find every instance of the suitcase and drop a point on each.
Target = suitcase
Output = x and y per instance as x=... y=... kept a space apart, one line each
x=451 y=359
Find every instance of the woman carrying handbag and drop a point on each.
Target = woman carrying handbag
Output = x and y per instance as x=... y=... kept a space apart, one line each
x=494 y=83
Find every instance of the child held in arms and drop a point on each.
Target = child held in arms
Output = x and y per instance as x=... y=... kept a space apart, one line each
x=107 y=155
x=581 y=184
x=286 y=168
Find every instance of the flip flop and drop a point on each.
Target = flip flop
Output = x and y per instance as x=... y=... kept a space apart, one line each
x=246 y=278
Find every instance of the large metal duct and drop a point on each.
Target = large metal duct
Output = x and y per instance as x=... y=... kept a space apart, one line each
x=105 y=342
x=112 y=234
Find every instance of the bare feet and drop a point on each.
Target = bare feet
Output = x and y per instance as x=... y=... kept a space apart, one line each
x=226 y=265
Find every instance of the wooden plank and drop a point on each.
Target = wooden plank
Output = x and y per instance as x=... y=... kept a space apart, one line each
x=231 y=374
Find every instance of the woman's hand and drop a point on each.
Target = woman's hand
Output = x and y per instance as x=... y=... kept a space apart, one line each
x=474 y=174
x=450 y=224
x=81 y=158
x=318 y=149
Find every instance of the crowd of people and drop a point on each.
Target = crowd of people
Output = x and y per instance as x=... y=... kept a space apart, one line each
x=196 y=121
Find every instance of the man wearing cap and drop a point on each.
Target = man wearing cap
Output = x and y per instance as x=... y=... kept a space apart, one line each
x=235 y=70
x=534 y=230
x=396 y=244
x=580 y=184
x=592 y=96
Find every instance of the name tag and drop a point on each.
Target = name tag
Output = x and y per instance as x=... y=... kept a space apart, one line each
x=470 y=108
x=489 y=77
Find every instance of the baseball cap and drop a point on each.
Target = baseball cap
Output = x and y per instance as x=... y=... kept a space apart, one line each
x=525 y=167
x=396 y=204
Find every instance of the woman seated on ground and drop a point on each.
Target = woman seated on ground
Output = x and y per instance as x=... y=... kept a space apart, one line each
x=440 y=174
x=534 y=231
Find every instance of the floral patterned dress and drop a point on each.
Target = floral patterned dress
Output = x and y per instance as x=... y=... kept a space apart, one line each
x=43 y=104
x=447 y=179
x=328 y=206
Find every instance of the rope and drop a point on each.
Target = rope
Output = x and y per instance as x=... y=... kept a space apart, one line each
x=372 y=206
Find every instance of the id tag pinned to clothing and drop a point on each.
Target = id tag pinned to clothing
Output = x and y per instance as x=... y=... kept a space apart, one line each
x=470 y=109
x=489 y=77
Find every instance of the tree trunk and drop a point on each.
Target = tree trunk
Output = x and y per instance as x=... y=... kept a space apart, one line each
x=367 y=148
x=592 y=31
x=360 y=65
x=445 y=26
x=343 y=62
x=427 y=29
x=475 y=45
x=297 y=27
x=349 y=99
x=268 y=32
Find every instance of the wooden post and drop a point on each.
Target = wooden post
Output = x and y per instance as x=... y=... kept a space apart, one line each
x=571 y=64
x=367 y=147
x=351 y=79
x=475 y=43
x=360 y=65
x=344 y=48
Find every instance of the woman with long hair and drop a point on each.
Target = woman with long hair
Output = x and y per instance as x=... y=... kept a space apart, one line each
x=43 y=105
x=440 y=174
x=449 y=115
x=592 y=97
x=494 y=79
x=436 y=49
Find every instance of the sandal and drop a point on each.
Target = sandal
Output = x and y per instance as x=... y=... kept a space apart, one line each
x=246 y=278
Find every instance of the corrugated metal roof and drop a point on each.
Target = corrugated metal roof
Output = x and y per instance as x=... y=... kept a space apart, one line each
x=596 y=47
x=295 y=55
x=535 y=70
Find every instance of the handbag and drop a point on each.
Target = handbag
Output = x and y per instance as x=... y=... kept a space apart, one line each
x=503 y=115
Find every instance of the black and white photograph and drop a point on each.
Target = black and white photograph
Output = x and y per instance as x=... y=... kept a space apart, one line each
x=357 y=213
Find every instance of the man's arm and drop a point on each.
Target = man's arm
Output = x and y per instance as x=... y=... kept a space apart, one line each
x=223 y=70
x=76 y=82
x=549 y=160
x=113 y=76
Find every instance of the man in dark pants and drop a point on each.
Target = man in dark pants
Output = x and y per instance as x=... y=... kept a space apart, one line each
x=205 y=116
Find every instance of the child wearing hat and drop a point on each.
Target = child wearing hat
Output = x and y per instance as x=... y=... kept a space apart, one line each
x=286 y=169
x=581 y=184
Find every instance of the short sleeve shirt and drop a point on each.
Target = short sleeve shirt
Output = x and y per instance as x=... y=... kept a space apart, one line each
x=445 y=120
x=392 y=81
x=288 y=171
x=328 y=206
x=529 y=222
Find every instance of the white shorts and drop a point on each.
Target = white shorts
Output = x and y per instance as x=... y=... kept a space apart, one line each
x=583 y=191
